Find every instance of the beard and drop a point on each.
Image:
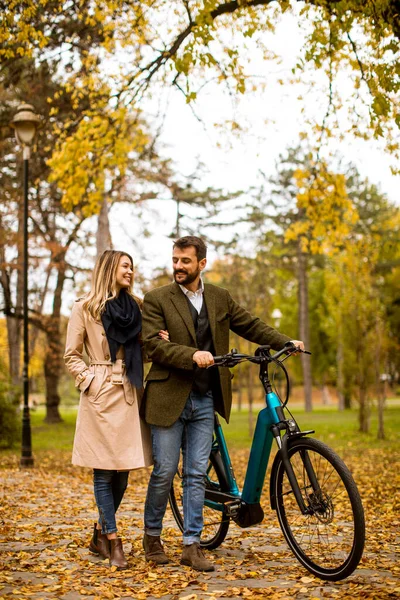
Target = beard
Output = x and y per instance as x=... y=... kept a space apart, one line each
x=189 y=276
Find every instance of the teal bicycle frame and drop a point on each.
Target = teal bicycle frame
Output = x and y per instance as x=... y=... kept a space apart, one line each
x=258 y=460
x=245 y=507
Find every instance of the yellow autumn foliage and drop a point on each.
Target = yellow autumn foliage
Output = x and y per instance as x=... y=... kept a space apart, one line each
x=326 y=213
x=98 y=150
x=171 y=42
x=354 y=37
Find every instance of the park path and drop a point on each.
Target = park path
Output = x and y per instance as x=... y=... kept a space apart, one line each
x=46 y=515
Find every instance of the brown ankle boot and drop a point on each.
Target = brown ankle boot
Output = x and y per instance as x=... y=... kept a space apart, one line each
x=193 y=556
x=117 y=556
x=153 y=549
x=99 y=544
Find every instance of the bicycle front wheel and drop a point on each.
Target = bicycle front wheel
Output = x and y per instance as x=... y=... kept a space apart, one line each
x=329 y=539
x=216 y=522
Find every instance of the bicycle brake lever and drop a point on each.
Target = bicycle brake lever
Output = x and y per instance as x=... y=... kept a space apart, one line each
x=217 y=364
x=228 y=363
x=225 y=363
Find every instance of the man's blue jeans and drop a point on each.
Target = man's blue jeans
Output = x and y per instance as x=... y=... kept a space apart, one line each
x=109 y=489
x=193 y=433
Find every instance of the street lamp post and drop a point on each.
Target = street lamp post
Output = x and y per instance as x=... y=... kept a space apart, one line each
x=25 y=123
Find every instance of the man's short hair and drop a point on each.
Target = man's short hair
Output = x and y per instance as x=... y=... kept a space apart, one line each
x=192 y=240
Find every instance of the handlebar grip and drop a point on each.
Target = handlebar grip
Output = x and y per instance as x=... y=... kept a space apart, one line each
x=290 y=346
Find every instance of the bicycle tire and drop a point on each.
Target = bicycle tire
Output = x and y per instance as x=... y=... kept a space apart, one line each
x=329 y=541
x=216 y=523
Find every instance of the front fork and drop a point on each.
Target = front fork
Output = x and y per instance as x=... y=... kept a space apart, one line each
x=284 y=456
x=292 y=432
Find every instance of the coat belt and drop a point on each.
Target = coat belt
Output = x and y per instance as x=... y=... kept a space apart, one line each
x=99 y=362
x=117 y=376
x=108 y=363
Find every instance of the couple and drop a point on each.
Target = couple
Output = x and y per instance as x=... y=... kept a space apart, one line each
x=184 y=324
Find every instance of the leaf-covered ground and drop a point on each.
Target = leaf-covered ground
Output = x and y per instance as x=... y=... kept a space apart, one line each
x=46 y=516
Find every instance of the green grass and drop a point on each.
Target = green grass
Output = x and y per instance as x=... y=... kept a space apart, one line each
x=58 y=436
x=337 y=429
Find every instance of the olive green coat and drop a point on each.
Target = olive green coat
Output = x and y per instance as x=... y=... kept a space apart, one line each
x=171 y=376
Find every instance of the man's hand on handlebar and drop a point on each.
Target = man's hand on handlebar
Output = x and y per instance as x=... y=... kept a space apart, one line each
x=203 y=359
x=299 y=344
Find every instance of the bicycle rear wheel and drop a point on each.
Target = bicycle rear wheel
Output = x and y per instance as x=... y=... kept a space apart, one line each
x=216 y=523
x=329 y=539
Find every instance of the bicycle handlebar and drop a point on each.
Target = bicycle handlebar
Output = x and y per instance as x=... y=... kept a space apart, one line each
x=262 y=354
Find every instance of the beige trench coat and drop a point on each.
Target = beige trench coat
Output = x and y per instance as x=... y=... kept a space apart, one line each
x=109 y=431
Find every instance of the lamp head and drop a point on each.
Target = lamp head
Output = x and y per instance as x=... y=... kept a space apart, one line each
x=25 y=124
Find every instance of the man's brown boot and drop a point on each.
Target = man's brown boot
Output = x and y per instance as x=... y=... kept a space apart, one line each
x=153 y=549
x=117 y=557
x=193 y=556
x=99 y=544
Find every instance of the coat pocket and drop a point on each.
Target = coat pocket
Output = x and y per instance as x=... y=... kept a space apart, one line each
x=93 y=390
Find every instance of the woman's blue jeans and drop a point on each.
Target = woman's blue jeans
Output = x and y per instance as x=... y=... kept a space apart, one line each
x=109 y=489
x=193 y=432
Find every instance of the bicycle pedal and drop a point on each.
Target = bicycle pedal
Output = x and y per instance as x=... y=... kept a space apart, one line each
x=232 y=508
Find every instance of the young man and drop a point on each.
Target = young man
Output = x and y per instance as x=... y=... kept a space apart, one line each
x=182 y=394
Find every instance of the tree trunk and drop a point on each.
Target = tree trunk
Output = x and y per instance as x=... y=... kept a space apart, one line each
x=340 y=365
x=347 y=400
x=53 y=358
x=103 y=236
x=13 y=324
x=381 y=409
x=362 y=394
x=364 y=412
x=380 y=380
x=52 y=366
x=325 y=394
x=33 y=337
x=14 y=349
x=304 y=328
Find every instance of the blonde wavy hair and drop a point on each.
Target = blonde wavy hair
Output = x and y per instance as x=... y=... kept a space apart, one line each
x=104 y=283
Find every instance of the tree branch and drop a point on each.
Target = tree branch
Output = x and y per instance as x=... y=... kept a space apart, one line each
x=152 y=67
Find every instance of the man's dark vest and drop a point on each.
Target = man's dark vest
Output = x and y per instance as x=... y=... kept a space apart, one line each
x=204 y=379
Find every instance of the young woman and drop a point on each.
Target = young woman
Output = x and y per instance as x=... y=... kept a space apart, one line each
x=110 y=437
